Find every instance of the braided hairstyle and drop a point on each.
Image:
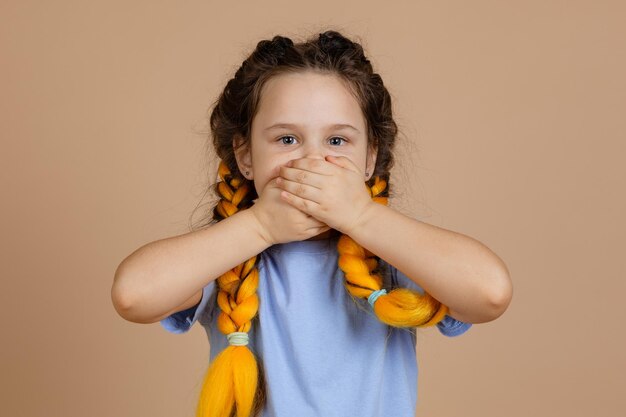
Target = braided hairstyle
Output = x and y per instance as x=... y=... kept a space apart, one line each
x=234 y=385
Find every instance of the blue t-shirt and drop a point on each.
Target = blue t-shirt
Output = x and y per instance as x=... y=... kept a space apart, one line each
x=321 y=354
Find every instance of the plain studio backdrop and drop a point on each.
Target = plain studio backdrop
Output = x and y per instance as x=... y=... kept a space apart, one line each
x=512 y=120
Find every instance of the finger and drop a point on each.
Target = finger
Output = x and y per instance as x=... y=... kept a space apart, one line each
x=319 y=166
x=343 y=162
x=304 y=205
x=302 y=176
x=299 y=189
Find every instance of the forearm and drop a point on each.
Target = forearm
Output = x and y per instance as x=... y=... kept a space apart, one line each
x=162 y=275
x=457 y=270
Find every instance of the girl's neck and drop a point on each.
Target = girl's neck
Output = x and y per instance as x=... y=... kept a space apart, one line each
x=325 y=235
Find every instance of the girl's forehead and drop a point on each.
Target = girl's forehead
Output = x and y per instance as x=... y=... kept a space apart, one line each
x=316 y=98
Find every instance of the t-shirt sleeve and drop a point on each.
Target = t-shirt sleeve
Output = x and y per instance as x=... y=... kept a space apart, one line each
x=181 y=321
x=449 y=326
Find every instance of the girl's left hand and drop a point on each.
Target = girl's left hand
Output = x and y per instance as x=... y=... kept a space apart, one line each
x=331 y=190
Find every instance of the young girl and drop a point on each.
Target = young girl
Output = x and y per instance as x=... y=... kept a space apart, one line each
x=308 y=285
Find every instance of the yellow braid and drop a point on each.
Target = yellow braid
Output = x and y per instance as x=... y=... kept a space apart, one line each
x=399 y=308
x=230 y=386
x=233 y=377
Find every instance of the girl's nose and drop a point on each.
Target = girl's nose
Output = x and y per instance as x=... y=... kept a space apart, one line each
x=314 y=151
x=315 y=155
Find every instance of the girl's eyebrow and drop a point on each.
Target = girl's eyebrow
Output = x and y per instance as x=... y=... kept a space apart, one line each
x=294 y=126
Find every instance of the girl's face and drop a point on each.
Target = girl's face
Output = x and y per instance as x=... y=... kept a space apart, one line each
x=300 y=115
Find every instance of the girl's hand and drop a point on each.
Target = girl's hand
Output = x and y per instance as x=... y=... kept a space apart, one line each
x=333 y=190
x=280 y=222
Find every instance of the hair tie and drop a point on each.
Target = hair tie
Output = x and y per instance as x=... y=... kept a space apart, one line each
x=237 y=338
x=374 y=296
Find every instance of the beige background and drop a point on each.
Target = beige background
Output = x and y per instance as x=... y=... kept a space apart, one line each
x=512 y=119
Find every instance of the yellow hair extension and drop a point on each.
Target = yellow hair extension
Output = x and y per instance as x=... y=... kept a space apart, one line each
x=233 y=386
x=399 y=308
x=230 y=385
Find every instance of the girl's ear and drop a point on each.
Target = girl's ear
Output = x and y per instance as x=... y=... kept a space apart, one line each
x=243 y=156
x=372 y=153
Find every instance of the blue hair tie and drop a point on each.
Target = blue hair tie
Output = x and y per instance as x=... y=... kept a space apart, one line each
x=374 y=296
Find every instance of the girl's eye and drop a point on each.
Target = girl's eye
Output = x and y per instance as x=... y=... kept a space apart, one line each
x=283 y=137
x=291 y=137
x=337 y=137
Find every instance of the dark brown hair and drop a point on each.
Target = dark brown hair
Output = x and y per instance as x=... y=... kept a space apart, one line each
x=233 y=377
x=329 y=53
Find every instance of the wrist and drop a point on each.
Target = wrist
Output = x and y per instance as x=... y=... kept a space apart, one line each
x=366 y=216
x=256 y=225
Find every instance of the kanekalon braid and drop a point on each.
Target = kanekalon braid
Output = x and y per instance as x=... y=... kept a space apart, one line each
x=232 y=378
x=399 y=308
x=231 y=190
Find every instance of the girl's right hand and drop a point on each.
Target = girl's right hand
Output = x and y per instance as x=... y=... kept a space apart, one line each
x=280 y=221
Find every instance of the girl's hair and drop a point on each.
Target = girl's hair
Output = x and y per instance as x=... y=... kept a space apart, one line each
x=234 y=384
